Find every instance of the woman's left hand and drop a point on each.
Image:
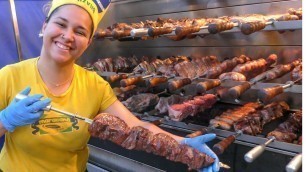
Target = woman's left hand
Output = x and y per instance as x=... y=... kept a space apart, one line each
x=199 y=143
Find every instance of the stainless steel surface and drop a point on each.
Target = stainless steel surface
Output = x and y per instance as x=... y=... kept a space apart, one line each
x=139 y=32
x=291 y=83
x=295 y=164
x=49 y=107
x=16 y=29
x=94 y=168
x=116 y=163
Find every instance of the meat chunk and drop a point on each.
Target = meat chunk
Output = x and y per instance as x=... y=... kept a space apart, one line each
x=178 y=112
x=164 y=102
x=288 y=130
x=109 y=127
x=296 y=73
x=140 y=102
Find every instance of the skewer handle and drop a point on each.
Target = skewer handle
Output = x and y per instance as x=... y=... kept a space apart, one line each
x=156 y=80
x=236 y=91
x=267 y=94
x=22 y=96
x=222 y=145
x=116 y=77
x=295 y=164
x=157 y=122
x=130 y=81
x=202 y=87
x=49 y=107
x=174 y=85
x=197 y=133
x=256 y=151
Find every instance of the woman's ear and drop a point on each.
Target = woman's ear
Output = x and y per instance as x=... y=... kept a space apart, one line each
x=43 y=28
x=89 y=42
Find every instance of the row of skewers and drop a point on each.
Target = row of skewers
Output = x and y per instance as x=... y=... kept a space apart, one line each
x=253 y=121
x=189 y=28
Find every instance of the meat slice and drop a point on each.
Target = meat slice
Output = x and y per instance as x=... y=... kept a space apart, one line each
x=208 y=100
x=138 y=139
x=196 y=106
x=164 y=102
x=141 y=102
x=109 y=127
x=178 y=112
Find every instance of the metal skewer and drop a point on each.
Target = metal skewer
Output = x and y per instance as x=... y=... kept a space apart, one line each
x=139 y=32
x=50 y=108
x=256 y=151
x=222 y=165
x=295 y=164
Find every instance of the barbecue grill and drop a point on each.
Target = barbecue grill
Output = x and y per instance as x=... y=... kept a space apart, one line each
x=282 y=38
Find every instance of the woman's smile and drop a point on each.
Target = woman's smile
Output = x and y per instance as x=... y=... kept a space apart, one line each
x=62 y=46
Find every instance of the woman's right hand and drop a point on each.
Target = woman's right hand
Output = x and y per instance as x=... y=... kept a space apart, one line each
x=199 y=143
x=23 y=112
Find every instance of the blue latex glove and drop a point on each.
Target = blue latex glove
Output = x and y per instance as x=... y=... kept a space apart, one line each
x=199 y=144
x=23 y=112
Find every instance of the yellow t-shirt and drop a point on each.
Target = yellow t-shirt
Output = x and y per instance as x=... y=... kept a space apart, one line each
x=55 y=142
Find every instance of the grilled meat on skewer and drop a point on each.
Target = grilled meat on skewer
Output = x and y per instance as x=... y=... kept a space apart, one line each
x=140 y=102
x=109 y=127
x=253 y=123
x=178 y=112
x=296 y=73
x=288 y=130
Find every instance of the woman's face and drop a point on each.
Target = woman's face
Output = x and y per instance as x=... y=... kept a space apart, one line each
x=67 y=34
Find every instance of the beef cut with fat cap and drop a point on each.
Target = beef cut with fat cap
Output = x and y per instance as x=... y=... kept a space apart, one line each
x=164 y=102
x=109 y=127
x=178 y=112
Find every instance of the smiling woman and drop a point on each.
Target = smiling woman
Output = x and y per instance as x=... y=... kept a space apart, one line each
x=39 y=140
x=67 y=32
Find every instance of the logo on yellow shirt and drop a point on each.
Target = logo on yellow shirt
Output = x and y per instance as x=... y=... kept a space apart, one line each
x=54 y=125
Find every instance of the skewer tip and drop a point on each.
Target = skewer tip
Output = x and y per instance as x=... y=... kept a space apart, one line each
x=222 y=165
